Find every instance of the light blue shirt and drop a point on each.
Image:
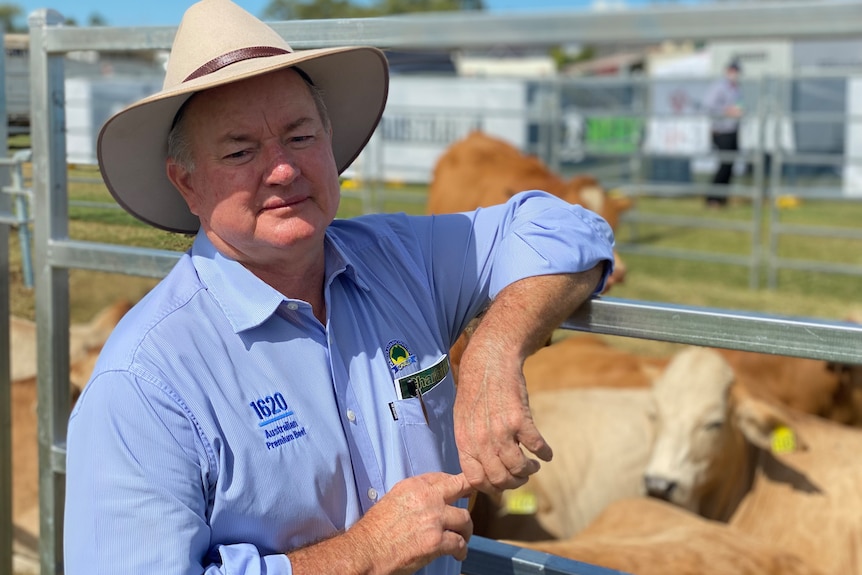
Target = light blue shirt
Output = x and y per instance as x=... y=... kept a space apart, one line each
x=224 y=425
x=721 y=95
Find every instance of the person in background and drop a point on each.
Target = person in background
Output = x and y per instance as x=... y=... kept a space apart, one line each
x=723 y=102
x=281 y=402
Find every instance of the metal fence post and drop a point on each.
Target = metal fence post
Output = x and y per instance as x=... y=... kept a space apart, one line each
x=5 y=374
x=22 y=212
x=50 y=206
x=758 y=191
x=779 y=110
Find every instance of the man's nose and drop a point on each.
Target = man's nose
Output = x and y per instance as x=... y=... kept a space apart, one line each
x=281 y=167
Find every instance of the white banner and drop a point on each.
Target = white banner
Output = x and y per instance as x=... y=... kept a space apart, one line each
x=853 y=139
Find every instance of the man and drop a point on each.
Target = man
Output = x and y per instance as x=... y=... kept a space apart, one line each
x=280 y=402
x=723 y=102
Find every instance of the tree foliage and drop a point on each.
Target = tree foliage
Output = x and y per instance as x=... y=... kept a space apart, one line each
x=320 y=9
x=9 y=15
x=96 y=19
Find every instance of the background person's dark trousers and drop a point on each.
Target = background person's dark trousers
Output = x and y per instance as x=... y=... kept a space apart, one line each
x=723 y=142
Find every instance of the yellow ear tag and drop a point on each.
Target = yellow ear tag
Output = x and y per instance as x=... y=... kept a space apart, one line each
x=520 y=502
x=783 y=440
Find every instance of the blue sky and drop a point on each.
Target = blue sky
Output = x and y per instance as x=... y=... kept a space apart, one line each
x=169 y=12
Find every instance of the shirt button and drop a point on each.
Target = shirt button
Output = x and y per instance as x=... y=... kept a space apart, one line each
x=372 y=494
x=351 y=416
x=293 y=306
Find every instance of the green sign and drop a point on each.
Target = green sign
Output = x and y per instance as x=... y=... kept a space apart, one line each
x=618 y=135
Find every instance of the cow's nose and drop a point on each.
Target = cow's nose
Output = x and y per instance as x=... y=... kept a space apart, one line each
x=659 y=487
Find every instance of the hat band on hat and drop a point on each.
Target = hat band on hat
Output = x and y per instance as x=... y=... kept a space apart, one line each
x=236 y=56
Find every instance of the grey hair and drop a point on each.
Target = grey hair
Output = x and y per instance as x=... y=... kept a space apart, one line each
x=179 y=143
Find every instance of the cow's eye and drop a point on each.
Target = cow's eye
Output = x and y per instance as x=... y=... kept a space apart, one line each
x=714 y=425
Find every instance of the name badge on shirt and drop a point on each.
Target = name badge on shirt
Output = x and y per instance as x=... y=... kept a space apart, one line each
x=419 y=383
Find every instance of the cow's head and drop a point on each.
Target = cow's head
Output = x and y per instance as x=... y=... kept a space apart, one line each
x=586 y=191
x=693 y=437
x=706 y=432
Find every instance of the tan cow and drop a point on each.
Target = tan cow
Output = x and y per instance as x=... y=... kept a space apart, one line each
x=645 y=536
x=789 y=478
x=602 y=440
x=480 y=171
x=589 y=361
x=83 y=338
x=827 y=389
x=86 y=342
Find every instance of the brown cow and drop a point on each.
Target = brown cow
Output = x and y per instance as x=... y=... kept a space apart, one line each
x=779 y=475
x=480 y=171
x=650 y=537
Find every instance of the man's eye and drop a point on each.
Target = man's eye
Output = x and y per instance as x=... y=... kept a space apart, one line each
x=236 y=155
x=301 y=139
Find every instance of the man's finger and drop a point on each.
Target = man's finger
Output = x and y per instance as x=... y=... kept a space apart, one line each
x=473 y=472
x=458 y=520
x=532 y=439
x=451 y=487
x=516 y=462
x=455 y=545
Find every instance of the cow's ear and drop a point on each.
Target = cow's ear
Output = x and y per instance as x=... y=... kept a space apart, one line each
x=622 y=203
x=765 y=426
x=593 y=198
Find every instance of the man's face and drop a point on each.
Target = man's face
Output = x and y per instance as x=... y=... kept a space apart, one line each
x=264 y=176
x=733 y=75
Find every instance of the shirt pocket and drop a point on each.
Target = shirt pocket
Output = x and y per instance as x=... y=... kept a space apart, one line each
x=420 y=422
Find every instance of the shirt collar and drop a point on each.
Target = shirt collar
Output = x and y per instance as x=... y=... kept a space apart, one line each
x=340 y=259
x=246 y=300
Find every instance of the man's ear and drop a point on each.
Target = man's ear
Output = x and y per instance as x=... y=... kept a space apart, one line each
x=181 y=179
x=765 y=425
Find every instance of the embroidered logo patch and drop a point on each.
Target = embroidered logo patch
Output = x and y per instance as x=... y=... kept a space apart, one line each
x=398 y=356
x=276 y=420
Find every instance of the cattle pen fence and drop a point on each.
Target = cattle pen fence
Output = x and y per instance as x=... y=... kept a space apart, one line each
x=55 y=254
x=614 y=128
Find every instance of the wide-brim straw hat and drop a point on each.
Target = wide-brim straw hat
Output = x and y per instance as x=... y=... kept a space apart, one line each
x=217 y=43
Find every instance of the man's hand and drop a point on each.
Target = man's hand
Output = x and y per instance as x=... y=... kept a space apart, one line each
x=734 y=111
x=413 y=524
x=493 y=421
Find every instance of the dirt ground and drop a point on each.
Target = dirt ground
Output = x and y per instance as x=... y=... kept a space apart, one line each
x=25 y=478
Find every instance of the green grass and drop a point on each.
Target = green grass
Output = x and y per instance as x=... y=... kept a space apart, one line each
x=659 y=279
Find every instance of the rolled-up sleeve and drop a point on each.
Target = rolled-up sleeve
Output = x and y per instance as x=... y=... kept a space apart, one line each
x=545 y=235
x=534 y=233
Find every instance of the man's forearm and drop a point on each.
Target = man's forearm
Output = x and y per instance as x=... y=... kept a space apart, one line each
x=338 y=555
x=524 y=314
x=492 y=415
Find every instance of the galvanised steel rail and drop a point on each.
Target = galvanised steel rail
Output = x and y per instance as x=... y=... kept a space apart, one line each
x=489 y=557
x=20 y=217
x=714 y=21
